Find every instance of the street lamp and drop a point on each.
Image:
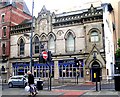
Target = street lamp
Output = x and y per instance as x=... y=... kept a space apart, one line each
x=31 y=38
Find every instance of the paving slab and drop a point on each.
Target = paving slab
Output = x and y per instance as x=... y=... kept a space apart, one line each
x=103 y=92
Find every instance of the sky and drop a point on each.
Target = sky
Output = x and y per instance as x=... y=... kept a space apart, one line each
x=57 y=6
x=51 y=5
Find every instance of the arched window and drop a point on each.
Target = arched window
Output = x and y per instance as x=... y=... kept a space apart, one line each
x=3 y=18
x=3 y=48
x=43 y=42
x=36 y=45
x=94 y=36
x=70 y=43
x=22 y=47
x=51 y=44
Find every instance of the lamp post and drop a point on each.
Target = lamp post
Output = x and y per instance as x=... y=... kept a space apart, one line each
x=31 y=36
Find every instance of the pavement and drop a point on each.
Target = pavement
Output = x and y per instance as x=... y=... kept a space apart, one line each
x=72 y=91
x=68 y=93
x=79 y=93
x=102 y=93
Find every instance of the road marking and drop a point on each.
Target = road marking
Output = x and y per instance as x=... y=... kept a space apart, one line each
x=71 y=93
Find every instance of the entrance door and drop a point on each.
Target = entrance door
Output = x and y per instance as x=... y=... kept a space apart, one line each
x=95 y=70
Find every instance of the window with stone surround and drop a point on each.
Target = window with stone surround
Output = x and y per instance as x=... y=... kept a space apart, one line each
x=3 y=18
x=36 y=45
x=70 y=43
x=94 y=36
x=51 y=44
x=22 y=47
x=4 y=31
x=3 y=48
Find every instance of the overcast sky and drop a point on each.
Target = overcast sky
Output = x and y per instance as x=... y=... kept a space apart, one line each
x=56 y=5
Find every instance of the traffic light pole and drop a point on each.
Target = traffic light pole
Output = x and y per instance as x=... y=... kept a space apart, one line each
x=76 y=64
x=50 y=81
x=50 y=76
x=49 y=60
x=77 y=77
x=46 y=56
x=31 y=38
x=96 y=81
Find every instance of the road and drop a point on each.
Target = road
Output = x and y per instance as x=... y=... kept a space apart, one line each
x=59 y=91
x=20 y=91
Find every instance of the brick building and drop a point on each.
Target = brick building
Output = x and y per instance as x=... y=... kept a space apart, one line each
x=11 y=13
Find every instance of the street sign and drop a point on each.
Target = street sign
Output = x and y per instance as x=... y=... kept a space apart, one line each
x=45 y=55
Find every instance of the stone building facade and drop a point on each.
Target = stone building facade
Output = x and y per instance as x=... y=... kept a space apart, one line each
x=21 y=45
x=76 y=34
x=11 y=13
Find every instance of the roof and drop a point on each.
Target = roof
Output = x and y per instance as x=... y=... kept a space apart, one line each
x=75 y=12
x=26 y=21
x=13 y=3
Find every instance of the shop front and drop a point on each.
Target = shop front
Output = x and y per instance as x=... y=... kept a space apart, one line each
x=68 y=69
x=20 y=68
x=43 y=70
x=40 y=70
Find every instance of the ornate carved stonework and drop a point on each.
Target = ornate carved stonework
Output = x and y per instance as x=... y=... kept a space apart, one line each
x=43 y=25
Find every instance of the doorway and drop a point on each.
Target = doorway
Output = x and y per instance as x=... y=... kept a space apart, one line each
x=96 y=70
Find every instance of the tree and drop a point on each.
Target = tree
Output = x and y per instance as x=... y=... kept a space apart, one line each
x=119 y=42
x=118 y=50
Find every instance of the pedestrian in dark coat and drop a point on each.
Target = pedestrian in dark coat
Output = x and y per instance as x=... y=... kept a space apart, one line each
x=33 y=89
x=30 y=78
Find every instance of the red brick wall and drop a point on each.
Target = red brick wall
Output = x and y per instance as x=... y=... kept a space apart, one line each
x=19 y=5
x=18 y=16
x=13 y=16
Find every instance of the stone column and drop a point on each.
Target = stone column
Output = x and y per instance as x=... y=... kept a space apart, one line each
x=56 y=70
x=33 y=70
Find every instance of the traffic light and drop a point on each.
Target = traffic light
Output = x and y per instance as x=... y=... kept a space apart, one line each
x=3 y=68
x=49 y=59
x=41 y=59
x=76 y=62
x=32 y=62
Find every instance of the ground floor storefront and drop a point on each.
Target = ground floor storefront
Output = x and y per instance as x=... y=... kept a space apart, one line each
x=62 y=69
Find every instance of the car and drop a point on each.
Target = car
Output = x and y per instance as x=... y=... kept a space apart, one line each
x=17 y=81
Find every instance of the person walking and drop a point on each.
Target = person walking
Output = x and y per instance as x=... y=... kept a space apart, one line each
x=33 y=89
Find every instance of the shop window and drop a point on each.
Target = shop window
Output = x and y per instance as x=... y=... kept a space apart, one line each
x=43 y=71
x=20 y=69
x=70 y=71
